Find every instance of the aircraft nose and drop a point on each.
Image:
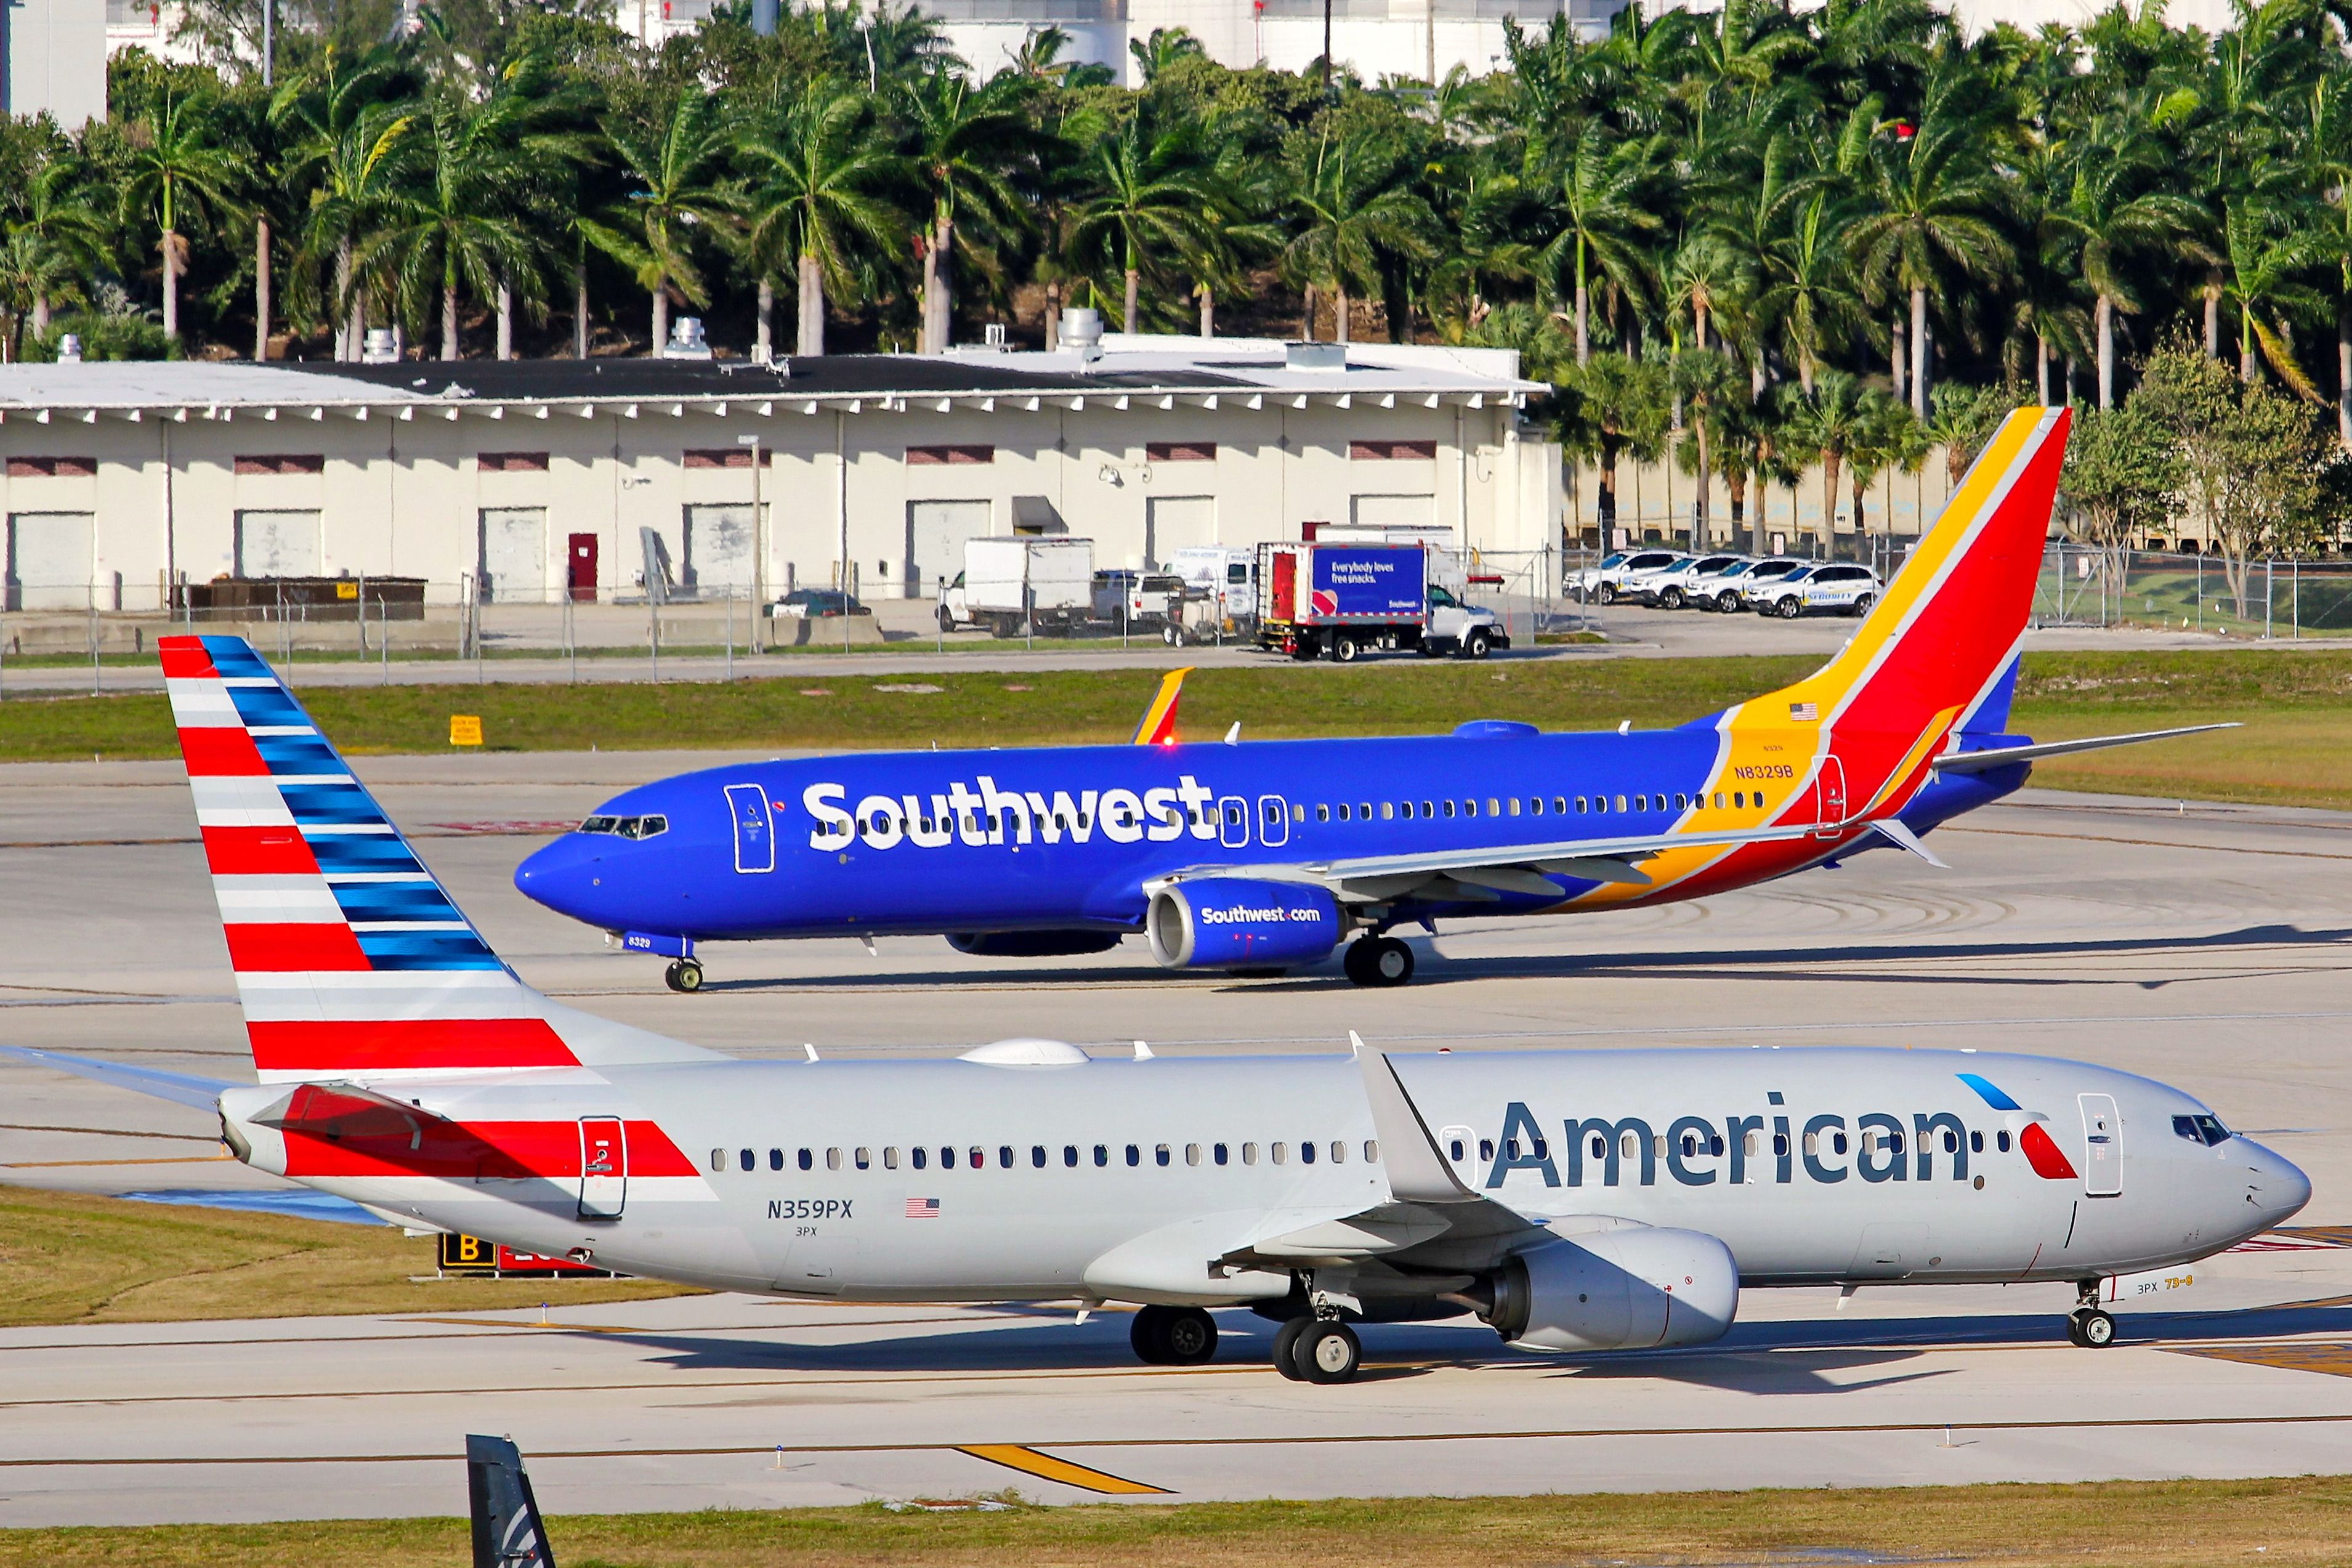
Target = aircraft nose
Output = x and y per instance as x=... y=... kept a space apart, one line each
x=561 y=876
x=2276 y=1187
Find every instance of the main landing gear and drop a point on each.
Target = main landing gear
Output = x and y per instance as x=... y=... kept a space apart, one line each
x=1378 y=961
x=1317 y=1350
x=1174 y=1336
x=2090 y=1326
x=683 y=974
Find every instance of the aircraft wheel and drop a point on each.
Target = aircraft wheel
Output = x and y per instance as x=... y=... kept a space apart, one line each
x=2092 y=1328
x=1328 y=1352
x=683 y=974
x=1379 y=961
x=1149 y=1334
x=1285 y=1348
x=1188 y=1335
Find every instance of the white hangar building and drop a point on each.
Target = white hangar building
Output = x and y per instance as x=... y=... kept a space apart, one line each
x=535 y=478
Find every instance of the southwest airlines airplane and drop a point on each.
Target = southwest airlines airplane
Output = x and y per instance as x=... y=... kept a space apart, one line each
x=1577 y=1201
x=1263 y=856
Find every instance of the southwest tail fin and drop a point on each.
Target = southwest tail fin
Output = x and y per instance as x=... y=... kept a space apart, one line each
x=351 y=960
x=1940 y=650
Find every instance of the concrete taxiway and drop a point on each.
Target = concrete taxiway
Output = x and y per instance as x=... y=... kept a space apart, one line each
x=2200 y=944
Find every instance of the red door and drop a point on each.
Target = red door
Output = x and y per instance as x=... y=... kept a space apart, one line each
x=1282 y=601
x=584 y=567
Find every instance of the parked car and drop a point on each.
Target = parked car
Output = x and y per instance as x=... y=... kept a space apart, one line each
x=1844 y=590
x=1600 y=584
x=819 y=603
x=1737 y=584
x=1678 y=584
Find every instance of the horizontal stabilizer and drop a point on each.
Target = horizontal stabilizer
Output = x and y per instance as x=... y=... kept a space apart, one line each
x=180 y=1088
x=2007 y=756
x=1898 y=833
x=339 y=1110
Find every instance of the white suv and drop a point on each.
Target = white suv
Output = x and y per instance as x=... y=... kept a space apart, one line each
x=1737 y=586
x=1690 y=581
x=1605 y=583
x=1845 y=590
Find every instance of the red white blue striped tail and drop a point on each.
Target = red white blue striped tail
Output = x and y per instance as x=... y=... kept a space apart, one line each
x=351 y=960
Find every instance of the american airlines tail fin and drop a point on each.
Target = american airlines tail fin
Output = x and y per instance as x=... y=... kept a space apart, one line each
x=351 y=960
x=1938 y=652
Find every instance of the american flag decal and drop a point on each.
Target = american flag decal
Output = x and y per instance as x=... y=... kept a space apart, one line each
x=922 y=1208
x=1805 y=712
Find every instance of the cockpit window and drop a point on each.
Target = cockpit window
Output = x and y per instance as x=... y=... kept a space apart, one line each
x=628 y=826
x=2205 y=1130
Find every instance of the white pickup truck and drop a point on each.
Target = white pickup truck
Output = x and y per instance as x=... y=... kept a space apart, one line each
x=1012 y=587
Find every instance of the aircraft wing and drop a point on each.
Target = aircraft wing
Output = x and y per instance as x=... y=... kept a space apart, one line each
x=1497 y=869
x=2005 y=756
x=182 y=1088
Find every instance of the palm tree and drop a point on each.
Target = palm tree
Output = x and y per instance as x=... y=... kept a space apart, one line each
x=2118 y=220
x=676 y=163
x=1601 y=222
x=1936 y=197
x=2266 y=252
x=1709 y=383
x=177 y=173
x=1349 y=201
x=54 y=239
x=1830 y=422
x=964 y=144
x=1163 y=48
x=1888 y=435
x=1622 y=406
x=455 y=226
x=1151 y=191
x=346 y=125
x=814 y=164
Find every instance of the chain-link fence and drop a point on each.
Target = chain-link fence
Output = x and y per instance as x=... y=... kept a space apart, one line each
x=2284 y=599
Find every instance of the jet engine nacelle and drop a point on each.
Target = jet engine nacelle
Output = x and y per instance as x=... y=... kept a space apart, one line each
x=1241 y=923
x=1031 y=943
x=1636 y=1289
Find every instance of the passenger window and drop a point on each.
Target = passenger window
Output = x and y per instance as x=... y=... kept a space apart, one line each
x=1345 y=814
x=775 y=1159
x=921 y=1156
x=1535 y=806
x=808 y=1160
x=1449 y=808
x=718 y=1159
x=1714 y=1144
x=1894 y=1141
x=1780 y=1145
x=1600 y=1147
x=1580 y=806
x=1070 y=1155
x=1748 y=1145
x=1620 y=803
x=1543 y=1150
x=746 y=1159
x=1486 y=1148
x=1560 y=806
x=1510 y=1149
x=1160 y=1153
x=1192 y=1154
x=1951 y=1141
x=1322 y=814
x=890 y=1157
x=1338 y=1153
x=1682 y=801
x=1307 y=1153
x=2001 y=1140
x=833 y=1159
x=1218 y=1154
x=1003 y=1157
x=1037 y=1156
x=1641 y=802
x=1102 y=1154
x=1976 y=1142
x=1371 y=1152
x=865 y=1160
x=1388 y=811
x=1408 y=811
x=1469 y=808
x=1297 y=814
x=1428 y=809
x=1718 y=800
x=1134 y=1155
x=1838 y=1142
x=1812 y=1143
x=1515 y=805
x=1455 y=1150
x=1364 y=811
x=1278 y=1153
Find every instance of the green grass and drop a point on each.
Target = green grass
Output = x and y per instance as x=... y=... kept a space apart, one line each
x=2133 y=1524
x=69 y=1259
x=2297 y=707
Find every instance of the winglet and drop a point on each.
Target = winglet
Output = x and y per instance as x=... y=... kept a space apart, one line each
x=1159 y=726
x=1417 y=1171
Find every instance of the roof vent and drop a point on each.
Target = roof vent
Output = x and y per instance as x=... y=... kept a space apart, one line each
x=1027 y=1054
x=1082 y=332
x=70 y=349
x=380 y=347
x=1315 y=356
x=686 y=339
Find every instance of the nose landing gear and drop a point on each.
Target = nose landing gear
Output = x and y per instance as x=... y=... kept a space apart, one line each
x=683 y=974
x=2090 y=1325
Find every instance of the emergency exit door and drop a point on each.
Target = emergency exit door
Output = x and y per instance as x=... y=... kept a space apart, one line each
x=603 y=1167
x=2103 y=1147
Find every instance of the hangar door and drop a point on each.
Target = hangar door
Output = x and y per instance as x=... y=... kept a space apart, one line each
x=277 y=544
x=1393 y=512
x=1171 y=523
x=514 y=554
x=935 y=531
x=719 y=545
x=50 y=556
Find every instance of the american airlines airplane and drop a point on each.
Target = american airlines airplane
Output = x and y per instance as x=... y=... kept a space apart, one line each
x=1268 y=855
x=1577 y=1201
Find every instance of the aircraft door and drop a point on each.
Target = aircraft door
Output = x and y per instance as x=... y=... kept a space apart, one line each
x=1829 y=792
x=755 y=833
x=603 y=1167
x=1273 y=821
x=1232 y=822
x=2103 y=1147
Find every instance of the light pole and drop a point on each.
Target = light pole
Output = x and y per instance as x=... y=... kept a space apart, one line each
x=759 y=541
